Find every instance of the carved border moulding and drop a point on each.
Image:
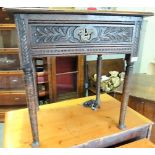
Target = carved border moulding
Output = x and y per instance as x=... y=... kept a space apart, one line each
x=22 y=32
x=81 y=51
x=58 y=34
x=136 y=38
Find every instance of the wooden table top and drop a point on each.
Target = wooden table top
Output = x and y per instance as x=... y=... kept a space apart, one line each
x=75 y=11
x=68 y=123
x=142 y=86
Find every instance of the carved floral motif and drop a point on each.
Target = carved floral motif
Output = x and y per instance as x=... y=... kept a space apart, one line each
x=58 y=34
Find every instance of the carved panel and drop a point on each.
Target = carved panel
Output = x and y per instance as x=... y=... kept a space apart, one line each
x=58 y=34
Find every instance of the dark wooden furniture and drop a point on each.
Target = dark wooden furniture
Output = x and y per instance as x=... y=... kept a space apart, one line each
x=44 y=32
x=69 y=124
x=12 y=87
x=66 y=77
x=142 y=97
x=59 y=78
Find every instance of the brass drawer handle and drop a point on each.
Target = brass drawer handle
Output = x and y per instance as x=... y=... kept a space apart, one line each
x=85 y=35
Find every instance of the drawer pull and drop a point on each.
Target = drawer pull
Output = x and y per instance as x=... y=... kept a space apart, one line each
x=7 y=18
x=85 y=35
x=14 y=80
x=6 y=60
x=17 y=98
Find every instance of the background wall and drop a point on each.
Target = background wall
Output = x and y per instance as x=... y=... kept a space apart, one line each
x=146 y=60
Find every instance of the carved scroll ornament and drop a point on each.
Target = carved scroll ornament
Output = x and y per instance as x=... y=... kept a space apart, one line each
x=60 y=34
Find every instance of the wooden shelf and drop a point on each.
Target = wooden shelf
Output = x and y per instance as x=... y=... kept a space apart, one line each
x=9 y=50
x=7 y=26
x=73 y=72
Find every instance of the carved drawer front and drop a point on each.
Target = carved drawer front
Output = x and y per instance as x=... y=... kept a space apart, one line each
x=9 y=61
x=78 y=34
x=12 y=98
x=14 y=81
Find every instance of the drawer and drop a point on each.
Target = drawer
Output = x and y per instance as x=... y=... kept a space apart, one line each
x=80 y=34
x=6 y=17
x=9 y=61
x=12 y=98
x=11 y=80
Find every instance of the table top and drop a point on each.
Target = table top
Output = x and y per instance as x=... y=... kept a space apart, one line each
x=68 y=123
x=142 y=86
x=73 y=11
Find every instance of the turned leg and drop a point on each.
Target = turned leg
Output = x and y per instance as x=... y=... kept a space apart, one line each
x=94 y=104
x=35 y=85
x=125 y=97
x=86 y=77
x=98 y=82
x=32 y=105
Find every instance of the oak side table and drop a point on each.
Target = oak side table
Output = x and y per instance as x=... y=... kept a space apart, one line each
x=43 y=32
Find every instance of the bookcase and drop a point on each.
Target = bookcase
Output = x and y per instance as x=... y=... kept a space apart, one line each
x=42 y=80
x=66 y=77
x=12 y=89
x=67 y=72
